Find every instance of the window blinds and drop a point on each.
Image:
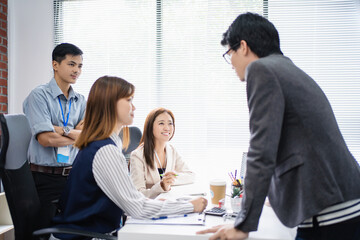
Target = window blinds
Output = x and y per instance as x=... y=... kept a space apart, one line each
x=171 y=52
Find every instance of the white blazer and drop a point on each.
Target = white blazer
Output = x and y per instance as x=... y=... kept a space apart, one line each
x=147 y=180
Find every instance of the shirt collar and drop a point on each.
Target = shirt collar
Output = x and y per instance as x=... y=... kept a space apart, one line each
x=56 y=91
x=117 y=140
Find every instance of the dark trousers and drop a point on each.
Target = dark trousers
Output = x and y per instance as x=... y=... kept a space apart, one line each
x=49 y=188
x=347 y=230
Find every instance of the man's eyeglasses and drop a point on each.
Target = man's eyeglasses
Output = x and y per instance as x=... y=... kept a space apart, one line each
x=227 y=56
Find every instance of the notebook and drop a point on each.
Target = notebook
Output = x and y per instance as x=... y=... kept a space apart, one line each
x=184 y=219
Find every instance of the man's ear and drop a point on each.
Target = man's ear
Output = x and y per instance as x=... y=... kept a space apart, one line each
x=246 y=51
x=55 y=65
x=244 y=47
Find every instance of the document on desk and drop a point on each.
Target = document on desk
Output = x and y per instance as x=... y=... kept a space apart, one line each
x=183 y=192
x=190 y=190
x=184 y=219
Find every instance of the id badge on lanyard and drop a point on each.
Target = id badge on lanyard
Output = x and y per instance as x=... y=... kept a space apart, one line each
x=63 y=153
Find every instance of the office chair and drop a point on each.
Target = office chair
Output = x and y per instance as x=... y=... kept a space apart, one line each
x=18 y=183
x=135 y=137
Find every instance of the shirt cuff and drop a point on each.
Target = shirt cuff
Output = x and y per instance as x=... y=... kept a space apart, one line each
x=42 y=127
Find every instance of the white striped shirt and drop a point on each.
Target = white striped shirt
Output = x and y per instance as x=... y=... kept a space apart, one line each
x=335 y=214
x=112 y=176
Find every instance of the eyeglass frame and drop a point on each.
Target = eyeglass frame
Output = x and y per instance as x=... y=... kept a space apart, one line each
x=226 y=55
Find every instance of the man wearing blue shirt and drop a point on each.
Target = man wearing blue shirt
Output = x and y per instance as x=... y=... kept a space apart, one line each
x=55 y=113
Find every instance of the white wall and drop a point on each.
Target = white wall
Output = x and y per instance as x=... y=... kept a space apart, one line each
x=30 y=39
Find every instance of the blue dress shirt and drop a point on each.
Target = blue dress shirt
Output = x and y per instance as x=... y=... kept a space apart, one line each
x=42 y=109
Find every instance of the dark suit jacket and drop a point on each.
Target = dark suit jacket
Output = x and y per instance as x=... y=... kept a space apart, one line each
x=297 y=155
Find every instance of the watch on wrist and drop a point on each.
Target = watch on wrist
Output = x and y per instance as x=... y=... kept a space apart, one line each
x=66 y=131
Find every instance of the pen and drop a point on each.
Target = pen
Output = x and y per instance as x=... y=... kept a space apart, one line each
x=232 y=175
x=235 y=173
x=173 y=174
x=166 y=217
x=232 y=179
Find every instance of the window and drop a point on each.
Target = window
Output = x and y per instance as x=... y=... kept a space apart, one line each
x=171 y=52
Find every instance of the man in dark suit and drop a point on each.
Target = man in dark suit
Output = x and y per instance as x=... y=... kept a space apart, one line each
x=297 y=155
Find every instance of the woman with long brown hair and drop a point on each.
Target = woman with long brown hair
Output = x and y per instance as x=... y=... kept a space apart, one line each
x=99 y=189
x=156 y=165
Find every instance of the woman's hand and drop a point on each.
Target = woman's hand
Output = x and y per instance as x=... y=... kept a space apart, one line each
x=167 y=180
x=199 y=204
x=170 y=174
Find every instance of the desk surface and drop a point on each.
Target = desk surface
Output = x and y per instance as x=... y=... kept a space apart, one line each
x=269 y=228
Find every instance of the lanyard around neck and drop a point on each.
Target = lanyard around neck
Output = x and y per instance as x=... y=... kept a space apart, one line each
x=157 y=157
x=62 y=112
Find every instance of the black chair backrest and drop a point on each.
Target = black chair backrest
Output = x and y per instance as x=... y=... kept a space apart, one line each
x=135 y=137
x=18 y=183
x=19 y=186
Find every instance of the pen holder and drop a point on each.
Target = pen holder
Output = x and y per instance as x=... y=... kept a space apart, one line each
x=236 y=197
x=236 y=204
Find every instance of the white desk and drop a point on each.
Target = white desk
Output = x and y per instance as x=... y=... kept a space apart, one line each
x=269 y=228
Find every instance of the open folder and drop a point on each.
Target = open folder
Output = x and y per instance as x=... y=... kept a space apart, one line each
x=184 y=219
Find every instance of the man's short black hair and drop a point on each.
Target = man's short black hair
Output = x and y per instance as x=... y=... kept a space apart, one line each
x=258 y=32
x=60 y=51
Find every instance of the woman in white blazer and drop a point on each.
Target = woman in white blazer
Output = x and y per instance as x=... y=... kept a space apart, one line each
x=156 y=165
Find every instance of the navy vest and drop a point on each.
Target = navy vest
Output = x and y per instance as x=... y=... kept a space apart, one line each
x=83 y=205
